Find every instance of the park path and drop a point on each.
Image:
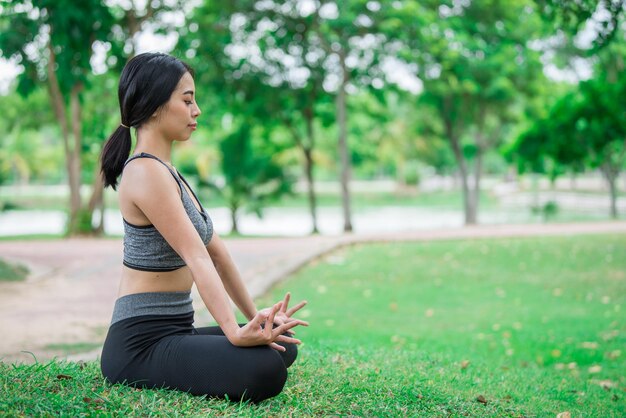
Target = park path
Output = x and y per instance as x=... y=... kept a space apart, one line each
x=68 y=298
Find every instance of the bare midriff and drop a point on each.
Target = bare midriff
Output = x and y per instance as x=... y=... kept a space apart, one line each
x=137 y=281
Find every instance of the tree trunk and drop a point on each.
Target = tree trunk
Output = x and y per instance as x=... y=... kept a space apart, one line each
x=458 y=155
x=311 y=188
x=613 y=189
x=308 y=157
x=343 y=147
x=233 y=219
x=58 y=104
x=97 y=201
x=611 y=175
x=74 y=165
x=474 y=197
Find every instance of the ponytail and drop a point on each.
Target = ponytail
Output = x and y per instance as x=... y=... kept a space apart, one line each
x=114 y=155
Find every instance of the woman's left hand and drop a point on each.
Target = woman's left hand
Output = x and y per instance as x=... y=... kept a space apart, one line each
x=284 y=314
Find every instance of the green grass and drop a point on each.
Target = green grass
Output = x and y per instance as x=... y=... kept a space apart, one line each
x=443 y=199
x=12 y=272
x=63 y=349
x=32 y=237
x=211 y=199
x=534 y=326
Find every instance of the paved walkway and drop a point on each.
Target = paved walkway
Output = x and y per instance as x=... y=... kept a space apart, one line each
x=68 y=298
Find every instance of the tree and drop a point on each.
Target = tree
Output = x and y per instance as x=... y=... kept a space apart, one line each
x=476 y=71
x=585 y=128
x=572 y=17
x=252 y=178
x=26 y=152
x=53 y=41
x=349 y=34
x=329 y=47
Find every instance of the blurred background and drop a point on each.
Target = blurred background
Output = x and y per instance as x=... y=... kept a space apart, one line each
x=326 y=116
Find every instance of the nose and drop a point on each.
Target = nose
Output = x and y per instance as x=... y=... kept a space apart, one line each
x=196 y=111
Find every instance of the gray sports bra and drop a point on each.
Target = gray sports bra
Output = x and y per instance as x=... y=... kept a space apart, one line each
x=144 y=246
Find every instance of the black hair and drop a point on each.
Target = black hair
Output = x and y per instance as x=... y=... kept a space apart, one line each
x=146 y=84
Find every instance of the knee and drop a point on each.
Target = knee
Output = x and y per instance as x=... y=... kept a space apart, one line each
x=267 y=379
x=289 y=356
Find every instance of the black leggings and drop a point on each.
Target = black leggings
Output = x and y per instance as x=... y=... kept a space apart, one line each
x=166 y=351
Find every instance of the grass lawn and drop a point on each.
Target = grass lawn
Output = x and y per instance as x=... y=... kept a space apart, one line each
x=498 y=327
x=12 y=272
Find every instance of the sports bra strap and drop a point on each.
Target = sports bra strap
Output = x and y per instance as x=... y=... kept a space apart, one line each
x=146 y=155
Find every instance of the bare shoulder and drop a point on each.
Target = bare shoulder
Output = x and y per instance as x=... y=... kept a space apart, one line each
x=146 y=178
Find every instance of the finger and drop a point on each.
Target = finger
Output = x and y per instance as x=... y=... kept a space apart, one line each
x=259 y=319
x=283 y=328
x=296 y=308
x=285 y=339
x=269 y=324
x=277 y=347
x=285 y=302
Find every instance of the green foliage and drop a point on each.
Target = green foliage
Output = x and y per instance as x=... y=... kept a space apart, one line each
x=477 y=69
x=412 y=174
x=84 y=225
x=547 y=211
x=12 y=272
x=571 y=17
x=29 y=149
x=583 y=129
x=251 y=177
x=62 y=26
x=277 y=67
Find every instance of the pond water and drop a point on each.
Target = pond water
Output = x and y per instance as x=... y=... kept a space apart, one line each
x=278 y=221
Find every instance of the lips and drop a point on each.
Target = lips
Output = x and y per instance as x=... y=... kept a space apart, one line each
x=193 y=126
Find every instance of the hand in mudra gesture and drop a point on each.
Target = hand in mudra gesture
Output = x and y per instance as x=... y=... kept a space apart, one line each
x=256 y=332
x=284 y=314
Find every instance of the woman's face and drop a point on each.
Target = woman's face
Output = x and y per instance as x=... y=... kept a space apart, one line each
x=177 y=118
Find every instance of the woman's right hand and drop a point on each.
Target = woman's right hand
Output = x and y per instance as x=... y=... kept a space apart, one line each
x=260 y=330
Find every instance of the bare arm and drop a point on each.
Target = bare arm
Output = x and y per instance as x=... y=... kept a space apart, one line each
x=230 y=276
x=155 y=193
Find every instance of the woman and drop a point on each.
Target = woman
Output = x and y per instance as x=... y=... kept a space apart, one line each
x=169 y=244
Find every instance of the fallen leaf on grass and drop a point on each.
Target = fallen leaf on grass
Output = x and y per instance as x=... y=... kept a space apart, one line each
x=614 y=354
x=595 y=369
x=606 y=384
x=590 y=345
x=565 y=414
x=89 y=400
x=481 y=399
x=464 y=364
x=63 y=377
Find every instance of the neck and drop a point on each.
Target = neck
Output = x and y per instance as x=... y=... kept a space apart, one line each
x=153 y=144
